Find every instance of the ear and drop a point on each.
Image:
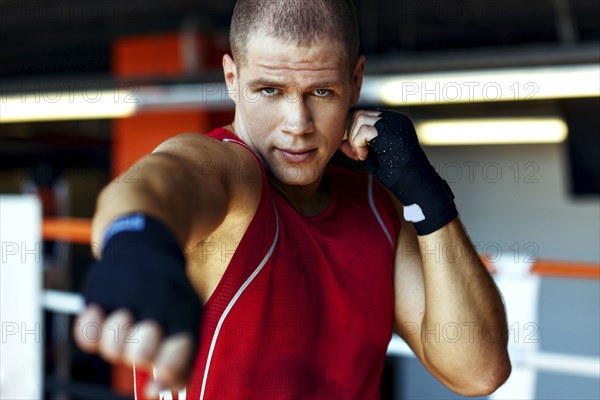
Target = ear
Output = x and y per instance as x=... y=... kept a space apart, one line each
x=357 y=79
x=231 y=78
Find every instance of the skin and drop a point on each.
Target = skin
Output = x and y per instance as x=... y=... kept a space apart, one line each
x=291 y=108
x=293 y=100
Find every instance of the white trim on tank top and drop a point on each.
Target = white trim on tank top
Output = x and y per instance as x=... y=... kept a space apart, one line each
x=234 y=300
x=376 y=212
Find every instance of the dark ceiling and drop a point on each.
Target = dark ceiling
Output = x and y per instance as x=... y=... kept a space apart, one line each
x=73 y=37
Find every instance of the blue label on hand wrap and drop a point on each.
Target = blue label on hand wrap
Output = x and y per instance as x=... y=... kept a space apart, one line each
x=128 y=223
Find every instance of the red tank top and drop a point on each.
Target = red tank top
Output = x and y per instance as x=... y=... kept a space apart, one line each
x=305 y=308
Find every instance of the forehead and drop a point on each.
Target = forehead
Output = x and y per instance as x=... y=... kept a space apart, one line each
x=274 y=59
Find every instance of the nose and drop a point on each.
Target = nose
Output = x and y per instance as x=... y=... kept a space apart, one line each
x=298 y=118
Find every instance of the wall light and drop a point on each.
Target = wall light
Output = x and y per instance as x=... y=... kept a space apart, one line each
x=492 y=131
x=65 y=105
x=513 y=84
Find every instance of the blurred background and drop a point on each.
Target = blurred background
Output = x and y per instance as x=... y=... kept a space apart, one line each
x=505 y=96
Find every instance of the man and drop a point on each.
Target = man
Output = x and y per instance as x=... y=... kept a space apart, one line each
x=242 y=265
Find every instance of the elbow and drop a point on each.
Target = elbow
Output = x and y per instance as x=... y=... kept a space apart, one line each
x=487 y=382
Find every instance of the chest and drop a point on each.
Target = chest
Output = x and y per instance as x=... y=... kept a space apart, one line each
x=208 y=261
x=325 y=290
x=329 y=262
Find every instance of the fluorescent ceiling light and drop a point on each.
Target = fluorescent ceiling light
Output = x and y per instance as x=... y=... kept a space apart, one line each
x=492 y=131
x=64 y=105
x=513 y=84
x=114 y=103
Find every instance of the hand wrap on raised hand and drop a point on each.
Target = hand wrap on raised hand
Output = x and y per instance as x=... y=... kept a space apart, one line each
x=398 y=161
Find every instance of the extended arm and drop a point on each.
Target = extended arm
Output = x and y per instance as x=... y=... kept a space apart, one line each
x=170 y=200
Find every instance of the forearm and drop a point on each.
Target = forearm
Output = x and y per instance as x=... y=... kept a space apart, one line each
x=447 y=306
x=464 y=326
x=162 y=185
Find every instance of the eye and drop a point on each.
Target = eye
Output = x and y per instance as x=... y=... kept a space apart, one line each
x=322 y=92
x=269 y=91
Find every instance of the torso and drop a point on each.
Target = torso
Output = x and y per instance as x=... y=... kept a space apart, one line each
x=304 y=308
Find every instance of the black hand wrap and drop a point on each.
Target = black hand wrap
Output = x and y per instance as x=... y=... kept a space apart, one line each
x=398 y=161
x=143 y=270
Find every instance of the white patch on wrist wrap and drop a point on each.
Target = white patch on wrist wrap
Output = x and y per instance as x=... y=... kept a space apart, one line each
x=413 y=213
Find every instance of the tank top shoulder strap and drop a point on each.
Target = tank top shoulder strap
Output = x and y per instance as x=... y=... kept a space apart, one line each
x=226 y=135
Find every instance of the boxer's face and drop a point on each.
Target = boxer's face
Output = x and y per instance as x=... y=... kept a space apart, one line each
x=292 y=104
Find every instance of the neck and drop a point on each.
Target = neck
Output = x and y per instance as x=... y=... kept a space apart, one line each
x=308 y=200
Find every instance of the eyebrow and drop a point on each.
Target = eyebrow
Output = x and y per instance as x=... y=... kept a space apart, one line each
x=270 y=83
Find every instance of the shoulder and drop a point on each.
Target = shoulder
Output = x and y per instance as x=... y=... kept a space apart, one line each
x=212 y=159
x=209 y=151
x=185 y=143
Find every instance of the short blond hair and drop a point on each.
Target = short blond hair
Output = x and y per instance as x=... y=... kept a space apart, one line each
x=301 y=22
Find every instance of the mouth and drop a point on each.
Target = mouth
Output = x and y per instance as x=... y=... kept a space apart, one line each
x=297 y=155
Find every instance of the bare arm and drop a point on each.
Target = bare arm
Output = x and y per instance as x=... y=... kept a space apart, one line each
x=447 y=306
x=187 y=183
x=449 y=310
